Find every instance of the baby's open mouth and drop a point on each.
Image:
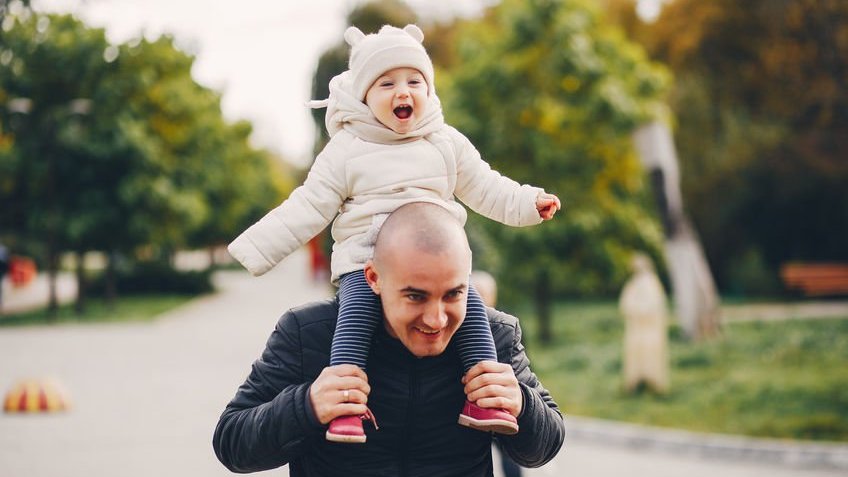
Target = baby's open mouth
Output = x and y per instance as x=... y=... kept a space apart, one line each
x=403 y=112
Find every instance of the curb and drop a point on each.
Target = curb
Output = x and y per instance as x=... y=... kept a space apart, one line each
x=797 y=454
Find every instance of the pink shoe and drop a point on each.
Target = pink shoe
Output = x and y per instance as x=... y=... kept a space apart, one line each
x=488 y=420
x=349 y=428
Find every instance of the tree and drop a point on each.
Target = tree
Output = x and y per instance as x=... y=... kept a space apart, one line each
x=51 y=71
x=121 y=151
x=550 y=95
x=761 y=101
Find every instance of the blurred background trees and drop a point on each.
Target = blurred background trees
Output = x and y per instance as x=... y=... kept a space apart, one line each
x=115 y=148
x=761 y=101
x=549 y=91
x=550 y=95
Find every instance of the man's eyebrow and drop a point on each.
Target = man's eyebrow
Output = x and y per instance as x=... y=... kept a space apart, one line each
x=410 y=289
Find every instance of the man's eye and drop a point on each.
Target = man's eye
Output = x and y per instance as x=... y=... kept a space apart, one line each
x=454 y=295
x=415 y=297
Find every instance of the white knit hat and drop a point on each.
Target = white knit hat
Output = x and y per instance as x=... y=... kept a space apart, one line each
x=374 y=54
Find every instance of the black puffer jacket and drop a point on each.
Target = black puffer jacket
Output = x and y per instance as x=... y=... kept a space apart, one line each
x=416 y=402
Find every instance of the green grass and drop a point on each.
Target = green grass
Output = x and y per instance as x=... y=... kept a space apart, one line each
x=783 y=379
x=132 y=308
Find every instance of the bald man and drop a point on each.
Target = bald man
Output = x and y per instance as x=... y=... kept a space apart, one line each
x=414 y=386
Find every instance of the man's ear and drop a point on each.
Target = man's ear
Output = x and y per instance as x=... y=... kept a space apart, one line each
x=371 y=277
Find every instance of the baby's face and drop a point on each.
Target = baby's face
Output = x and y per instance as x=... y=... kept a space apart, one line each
x=398 y=99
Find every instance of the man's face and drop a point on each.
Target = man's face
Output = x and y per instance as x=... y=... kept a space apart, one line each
x=424 y=296
x=398 y=99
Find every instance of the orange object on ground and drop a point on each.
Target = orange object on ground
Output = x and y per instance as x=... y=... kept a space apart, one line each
x=31 y=395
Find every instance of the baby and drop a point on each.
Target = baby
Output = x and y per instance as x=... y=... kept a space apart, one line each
x=389 y=146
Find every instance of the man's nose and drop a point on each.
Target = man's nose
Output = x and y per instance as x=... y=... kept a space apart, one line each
x=435 y=317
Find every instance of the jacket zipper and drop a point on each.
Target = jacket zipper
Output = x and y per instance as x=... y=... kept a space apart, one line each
x=410 y=412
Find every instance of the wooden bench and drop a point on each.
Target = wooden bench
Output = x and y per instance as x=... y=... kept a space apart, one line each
x=816 y=279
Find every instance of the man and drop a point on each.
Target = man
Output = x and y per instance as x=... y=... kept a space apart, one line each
x=414 y=385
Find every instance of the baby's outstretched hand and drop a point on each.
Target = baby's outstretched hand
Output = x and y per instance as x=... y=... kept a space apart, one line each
x=547 y=205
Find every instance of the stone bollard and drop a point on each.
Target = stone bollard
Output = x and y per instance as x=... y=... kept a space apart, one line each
x=644 y=307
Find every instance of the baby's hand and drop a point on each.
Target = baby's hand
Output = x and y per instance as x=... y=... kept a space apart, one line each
x=547 y=205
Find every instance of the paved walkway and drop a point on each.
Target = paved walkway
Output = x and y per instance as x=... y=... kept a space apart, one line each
x=146 y=397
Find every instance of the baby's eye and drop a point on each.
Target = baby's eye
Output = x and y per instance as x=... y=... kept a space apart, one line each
x=415 y=82
x=386 y=84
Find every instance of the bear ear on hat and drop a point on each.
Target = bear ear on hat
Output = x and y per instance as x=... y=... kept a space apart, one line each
x=414 y=32
x=353 y=35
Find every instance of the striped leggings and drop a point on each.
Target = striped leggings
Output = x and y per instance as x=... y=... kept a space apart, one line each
x=360 y=311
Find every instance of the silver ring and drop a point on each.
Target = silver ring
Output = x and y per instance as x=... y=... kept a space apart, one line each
x=346 y=394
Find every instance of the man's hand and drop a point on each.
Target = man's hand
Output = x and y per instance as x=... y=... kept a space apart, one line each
x=493 y=385
x=340 y=390
x=547 y=205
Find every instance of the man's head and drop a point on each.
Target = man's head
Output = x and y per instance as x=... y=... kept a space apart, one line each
x=420 y=269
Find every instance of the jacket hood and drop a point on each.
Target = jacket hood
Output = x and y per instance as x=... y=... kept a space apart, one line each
x=345 y=111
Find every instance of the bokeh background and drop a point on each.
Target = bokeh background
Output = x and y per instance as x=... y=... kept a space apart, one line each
x=138 y=138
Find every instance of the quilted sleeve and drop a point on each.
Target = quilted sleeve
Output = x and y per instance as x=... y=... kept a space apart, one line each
x=488 y=192
x=307 y=211
x=541 y=424
x=269 y=422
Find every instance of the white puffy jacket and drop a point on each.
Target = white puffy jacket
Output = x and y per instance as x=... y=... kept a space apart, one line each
x=359 y=182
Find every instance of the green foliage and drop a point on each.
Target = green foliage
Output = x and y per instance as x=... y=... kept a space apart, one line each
x=121 y=149
x=783 y=379
x=550 y=95
x=761 y=102
x=146 y=278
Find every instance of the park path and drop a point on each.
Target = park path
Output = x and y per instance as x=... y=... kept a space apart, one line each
x=146 y=396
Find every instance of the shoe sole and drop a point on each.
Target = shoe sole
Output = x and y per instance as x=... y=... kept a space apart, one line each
x=489 y=425
x=344 y=438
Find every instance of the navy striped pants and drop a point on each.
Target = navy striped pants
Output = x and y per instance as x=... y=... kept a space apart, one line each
x=360 y=311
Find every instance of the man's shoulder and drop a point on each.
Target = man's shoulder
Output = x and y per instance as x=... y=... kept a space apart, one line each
x=505 y=328
x=323 y=313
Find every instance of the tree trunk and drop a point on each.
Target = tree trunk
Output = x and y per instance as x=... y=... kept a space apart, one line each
x=111 y=279
x=543 y=306
x=79 y=306
x=695 y=297
x=52 y=272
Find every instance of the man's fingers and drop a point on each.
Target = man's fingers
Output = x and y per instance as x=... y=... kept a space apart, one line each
x=347 y=370
x=354 y=396
x=350 y=382
x=498 y=402
x=489 y=379
x=488 y=391
x=484 y=367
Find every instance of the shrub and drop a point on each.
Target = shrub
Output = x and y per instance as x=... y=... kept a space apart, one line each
x=155 y=277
